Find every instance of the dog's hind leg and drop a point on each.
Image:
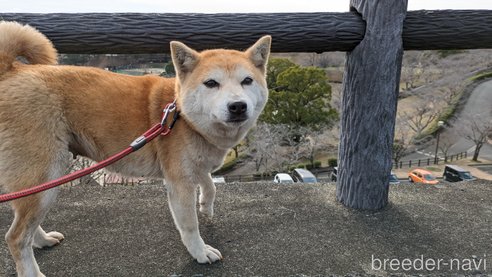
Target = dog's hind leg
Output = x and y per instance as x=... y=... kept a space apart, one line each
x=207 y=195
x=26 y=232
x=29 y=212
x=182 y=202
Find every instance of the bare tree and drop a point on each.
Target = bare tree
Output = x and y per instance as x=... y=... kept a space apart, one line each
x=236 y=150
x=423 y=115
x=414 y=69
x=445 y=144
x=401 y=146
x=265 y=146
x=476 y=129
x=312 y=144
x=451 y=89
x=275 y=147
x=317 y=141
x=258 y=144
x=295 y=141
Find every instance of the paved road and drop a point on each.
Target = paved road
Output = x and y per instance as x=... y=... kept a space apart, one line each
x=486 y=168
x=479 y=103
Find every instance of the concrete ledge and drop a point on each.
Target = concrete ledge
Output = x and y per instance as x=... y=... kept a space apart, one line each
x=264 y=230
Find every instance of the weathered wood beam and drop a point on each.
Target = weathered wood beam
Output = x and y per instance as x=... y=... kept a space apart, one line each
x=369 y=99
x=447 y=29
x=292 y=32
x=151 y=33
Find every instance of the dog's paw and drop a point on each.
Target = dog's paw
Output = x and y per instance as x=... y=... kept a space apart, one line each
x=56 y=235
x=209 y=256
x=46 y=243
x=49 y=240
x=207 y=210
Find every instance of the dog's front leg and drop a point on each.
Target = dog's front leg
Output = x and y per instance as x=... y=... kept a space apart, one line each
x=182 y=202
x=207 y=195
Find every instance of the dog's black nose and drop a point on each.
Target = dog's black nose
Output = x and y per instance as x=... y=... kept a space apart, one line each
x=237 y=108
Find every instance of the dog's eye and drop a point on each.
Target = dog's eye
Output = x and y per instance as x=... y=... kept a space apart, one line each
x=246 y=81
x=211 y=83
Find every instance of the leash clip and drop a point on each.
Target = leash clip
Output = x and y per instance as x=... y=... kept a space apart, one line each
x=170 y=107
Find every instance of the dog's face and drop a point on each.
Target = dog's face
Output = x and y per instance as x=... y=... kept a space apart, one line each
x=221 y=92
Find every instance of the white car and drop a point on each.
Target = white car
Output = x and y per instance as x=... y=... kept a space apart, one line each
x=301 y=175
x=218 y=180
x=283 y=178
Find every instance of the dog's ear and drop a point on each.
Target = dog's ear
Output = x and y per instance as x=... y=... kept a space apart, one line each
x=259 y=52
x=184 y=58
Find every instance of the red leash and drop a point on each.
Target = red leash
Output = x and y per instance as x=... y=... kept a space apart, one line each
x=158 y=129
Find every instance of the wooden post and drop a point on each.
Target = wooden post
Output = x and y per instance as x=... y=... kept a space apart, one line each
x=370 y=91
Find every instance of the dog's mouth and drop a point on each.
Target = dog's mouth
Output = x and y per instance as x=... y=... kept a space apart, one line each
x=231 y=121
x=237 y=120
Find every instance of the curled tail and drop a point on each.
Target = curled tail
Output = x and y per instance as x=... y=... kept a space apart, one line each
x=23 y=40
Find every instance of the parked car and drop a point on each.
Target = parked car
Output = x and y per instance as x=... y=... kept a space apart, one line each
x=301 y=175
x=283 y=178
x=422 y=176
x=394 y=179
x=333 y=175
x=218 y=180
x=454 y=173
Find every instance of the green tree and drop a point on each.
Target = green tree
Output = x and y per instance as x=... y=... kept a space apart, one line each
x=275 y=67
x=299 y=96
x=169 y=70
x=75 y=59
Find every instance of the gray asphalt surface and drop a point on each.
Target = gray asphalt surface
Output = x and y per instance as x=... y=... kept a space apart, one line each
x=487 y=168
x=264 y=230
x=480 y=101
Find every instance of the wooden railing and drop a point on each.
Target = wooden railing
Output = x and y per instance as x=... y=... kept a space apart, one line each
x=112 y=33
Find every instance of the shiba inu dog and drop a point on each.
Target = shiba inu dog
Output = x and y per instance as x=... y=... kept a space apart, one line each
x=49 y=112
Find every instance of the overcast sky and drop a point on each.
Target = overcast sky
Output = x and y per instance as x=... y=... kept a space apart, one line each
x=216 y=6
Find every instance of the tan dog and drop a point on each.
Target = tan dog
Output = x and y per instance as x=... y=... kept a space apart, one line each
x=48 y=111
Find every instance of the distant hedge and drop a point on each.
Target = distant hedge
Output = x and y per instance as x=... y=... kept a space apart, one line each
x=481 y=76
